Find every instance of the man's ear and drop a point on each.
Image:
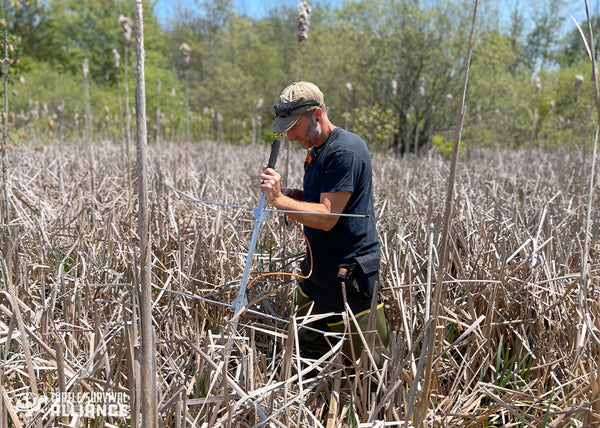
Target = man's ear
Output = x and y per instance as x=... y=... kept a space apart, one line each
x=318 y=113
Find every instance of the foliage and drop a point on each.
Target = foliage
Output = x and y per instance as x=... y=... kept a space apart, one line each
x=390 y=69
x=444 y=146
x=375 y=123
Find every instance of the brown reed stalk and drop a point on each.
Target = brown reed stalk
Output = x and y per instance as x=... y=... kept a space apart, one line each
x=186 y=57
x=88 y=138
x=149 y=395
x=117 y=64
x=158 y=97
x=14 y=301
x=126 y=25
x=585 y=256
x=5 y=64
x=585 y=259
x=429 y=362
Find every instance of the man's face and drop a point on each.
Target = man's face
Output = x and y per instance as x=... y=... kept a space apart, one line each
x=305 y=131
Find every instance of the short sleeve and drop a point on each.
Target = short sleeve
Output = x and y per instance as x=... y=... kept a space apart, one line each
x=341 y=173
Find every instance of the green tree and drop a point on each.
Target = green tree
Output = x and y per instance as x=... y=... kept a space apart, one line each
x=541 y=47
x=382 y=41
x=499 y=92
x=573 y=48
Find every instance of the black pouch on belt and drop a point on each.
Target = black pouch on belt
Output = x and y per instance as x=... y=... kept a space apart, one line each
x=361 y=277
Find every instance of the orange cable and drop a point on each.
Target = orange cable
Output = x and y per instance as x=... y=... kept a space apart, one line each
x=288 y=273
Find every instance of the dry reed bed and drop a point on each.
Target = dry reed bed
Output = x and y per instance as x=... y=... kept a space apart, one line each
x=512 y=320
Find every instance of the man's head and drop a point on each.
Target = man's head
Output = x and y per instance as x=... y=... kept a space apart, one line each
x=295 y=100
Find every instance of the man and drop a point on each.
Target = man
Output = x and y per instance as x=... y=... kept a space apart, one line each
x=346 y=252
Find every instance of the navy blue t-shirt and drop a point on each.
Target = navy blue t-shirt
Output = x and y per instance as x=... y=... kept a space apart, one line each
x=342 y=163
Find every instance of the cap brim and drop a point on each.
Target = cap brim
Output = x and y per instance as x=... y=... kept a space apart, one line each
x=283 y=124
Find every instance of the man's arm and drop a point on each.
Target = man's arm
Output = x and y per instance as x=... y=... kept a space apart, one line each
x=333 y=202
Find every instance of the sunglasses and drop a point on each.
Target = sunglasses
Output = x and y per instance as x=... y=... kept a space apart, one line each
x=284 y=110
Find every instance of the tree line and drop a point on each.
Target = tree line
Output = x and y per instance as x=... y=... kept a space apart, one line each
x=391 y=71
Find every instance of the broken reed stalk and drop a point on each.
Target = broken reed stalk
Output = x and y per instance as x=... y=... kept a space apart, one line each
x=585 y=256
x=24 y=338
x=158 y=88
x=5 y=115
x=586 y=246
x=149 y=397
x=88 y=137
x=126 y=24
x=444 y=237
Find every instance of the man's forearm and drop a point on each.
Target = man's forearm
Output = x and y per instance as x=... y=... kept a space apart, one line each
x=323 y=222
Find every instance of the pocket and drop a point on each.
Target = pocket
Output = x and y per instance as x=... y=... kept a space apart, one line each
x=366 y=274
x=369 y=263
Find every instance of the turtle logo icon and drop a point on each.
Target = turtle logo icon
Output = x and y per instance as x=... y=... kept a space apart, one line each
x=29 y=403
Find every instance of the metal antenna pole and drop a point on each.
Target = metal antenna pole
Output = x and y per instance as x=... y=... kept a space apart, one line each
x=260 y=214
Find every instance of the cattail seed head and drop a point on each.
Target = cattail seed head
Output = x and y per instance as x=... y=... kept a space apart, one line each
x=127 y=27
x=86 y=67
x=304 y=11
x=394 y=87
x=185 y=51
x=421 y=90
x=349 y=87
x=116 y=58
x=538 y=83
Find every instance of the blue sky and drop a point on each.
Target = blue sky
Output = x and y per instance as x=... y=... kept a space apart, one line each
x=253 y=8
x=259 y=8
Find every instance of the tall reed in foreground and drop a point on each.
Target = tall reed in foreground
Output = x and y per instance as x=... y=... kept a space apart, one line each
x=587 y=292
x=148 y=354
x=430 y=343
x=5 y=63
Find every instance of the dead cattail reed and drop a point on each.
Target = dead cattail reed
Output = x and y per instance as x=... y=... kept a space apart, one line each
x=158 y=113
x=5 y=65
x=127 y=27
x=586 y=285
x=117 y=65
x=87 y=136
x=148 y=353
x=303 y=15
x=185 y=50
x=429 y=343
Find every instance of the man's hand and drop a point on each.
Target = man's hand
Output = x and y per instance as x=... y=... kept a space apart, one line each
x=270 y=184
x=293 y=200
